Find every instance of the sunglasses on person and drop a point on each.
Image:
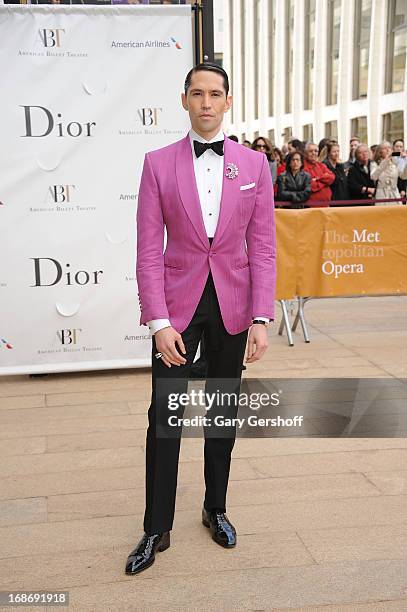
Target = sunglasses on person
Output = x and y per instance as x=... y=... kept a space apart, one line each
x=261 y=146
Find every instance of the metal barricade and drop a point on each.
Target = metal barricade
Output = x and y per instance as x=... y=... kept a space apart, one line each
x=300 y=300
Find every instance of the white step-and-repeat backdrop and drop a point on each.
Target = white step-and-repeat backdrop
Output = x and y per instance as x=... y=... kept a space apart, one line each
x=85 y=92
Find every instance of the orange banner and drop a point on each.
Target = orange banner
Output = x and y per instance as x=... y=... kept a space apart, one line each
x=287 y=272
x=357 y=250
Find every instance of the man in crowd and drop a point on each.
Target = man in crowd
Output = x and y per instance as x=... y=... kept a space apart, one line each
x=321 y=177
x=353 y=144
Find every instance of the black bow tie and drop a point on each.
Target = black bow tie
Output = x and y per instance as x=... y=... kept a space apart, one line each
x=201 y=147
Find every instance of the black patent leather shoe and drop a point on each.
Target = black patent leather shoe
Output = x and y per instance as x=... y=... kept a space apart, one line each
x=222 y=530
x=144 y=554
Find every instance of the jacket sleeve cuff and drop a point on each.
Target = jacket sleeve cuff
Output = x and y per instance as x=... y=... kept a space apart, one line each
x=156 y=324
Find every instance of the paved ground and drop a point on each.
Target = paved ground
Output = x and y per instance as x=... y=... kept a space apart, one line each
x=322 y=523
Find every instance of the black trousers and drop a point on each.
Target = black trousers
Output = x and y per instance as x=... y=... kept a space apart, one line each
x=225 y=354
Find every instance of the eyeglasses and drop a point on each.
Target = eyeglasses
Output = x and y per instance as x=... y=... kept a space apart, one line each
x=261 y=146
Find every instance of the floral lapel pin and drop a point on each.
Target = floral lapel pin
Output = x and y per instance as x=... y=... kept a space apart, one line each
x=231 y=171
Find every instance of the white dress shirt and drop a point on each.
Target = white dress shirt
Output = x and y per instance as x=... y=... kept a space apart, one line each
x=208 y=169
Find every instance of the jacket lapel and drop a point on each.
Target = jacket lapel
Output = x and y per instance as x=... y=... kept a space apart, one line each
x=230 y=189
x=184 y=169
x=185 y=174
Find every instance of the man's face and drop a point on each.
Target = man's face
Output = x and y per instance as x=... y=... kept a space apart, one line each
x=353 y=145
x=398 y=146
x=206 y=102
x=311 y=153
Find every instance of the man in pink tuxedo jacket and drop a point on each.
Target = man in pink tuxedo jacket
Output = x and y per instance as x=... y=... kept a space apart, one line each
x=215 y=280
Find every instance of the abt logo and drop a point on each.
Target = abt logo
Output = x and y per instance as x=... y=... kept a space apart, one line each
x=68 y=336
x=59 y=194
x=149 y=116
x=51 y=37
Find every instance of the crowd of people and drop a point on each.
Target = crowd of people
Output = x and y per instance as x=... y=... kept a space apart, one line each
x=307 y=174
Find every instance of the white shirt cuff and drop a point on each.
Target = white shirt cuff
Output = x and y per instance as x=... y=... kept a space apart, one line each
x=266 y=319
x=156 y=324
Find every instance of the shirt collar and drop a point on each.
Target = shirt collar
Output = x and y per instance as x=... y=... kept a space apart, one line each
x=194 y=136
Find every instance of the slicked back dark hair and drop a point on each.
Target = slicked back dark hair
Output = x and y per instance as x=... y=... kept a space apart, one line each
x=210 y=67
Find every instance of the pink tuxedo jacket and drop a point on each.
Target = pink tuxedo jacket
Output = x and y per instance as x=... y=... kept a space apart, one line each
x=171 y=283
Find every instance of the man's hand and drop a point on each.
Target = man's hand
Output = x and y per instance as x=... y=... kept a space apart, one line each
x=166 y=340
x=257 y=338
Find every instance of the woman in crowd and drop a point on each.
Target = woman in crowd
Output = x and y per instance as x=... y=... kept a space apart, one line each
x=322 y=149
x=401 y=155
x=294 y=185
x=386 y=171
x=279 y=159
x=361 y=185
x=264 y=146
x=332 y=161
